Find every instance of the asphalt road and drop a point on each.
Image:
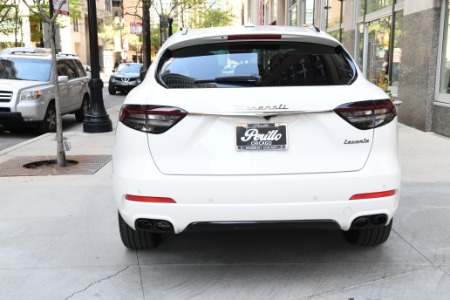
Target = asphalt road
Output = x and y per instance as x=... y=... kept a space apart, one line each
x=9 y=138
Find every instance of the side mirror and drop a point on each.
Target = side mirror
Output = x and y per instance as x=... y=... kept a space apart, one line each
x=63 y=79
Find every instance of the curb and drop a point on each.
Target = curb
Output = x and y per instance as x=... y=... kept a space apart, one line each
x=45 y=135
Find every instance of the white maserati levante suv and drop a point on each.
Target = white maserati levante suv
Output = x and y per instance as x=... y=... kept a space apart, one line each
x=255 y=127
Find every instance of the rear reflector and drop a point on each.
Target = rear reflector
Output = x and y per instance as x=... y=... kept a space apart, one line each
x=254 y=37
x=149 y=199
x=367 y=114
x=150 y=118
x=373 y=195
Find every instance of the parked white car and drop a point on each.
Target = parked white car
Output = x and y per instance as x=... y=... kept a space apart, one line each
x=295 y=135
x=27 y=95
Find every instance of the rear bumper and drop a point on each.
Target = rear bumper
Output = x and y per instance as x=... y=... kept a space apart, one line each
x=288 y=207
x=319 y=198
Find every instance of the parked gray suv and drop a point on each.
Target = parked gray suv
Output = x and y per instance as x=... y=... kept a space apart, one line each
x=27 y=95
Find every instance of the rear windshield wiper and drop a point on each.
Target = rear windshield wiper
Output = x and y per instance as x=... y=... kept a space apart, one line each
x=243 y=80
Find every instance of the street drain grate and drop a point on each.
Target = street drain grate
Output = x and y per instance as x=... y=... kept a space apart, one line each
x=81 y=165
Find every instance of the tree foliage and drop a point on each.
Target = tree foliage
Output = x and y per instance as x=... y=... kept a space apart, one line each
x=9 y=15
x=212 y=17
x=11 y=18
x=111 y=29
x=74 y=9
x=193 y=13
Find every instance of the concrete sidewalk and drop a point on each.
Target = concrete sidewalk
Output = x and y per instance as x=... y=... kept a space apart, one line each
x=59 y=240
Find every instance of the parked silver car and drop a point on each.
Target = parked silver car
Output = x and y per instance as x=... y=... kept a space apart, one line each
x=27 y=95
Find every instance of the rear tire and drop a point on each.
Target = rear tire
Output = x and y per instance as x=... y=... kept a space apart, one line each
x=49 y=122
x=368 y=236
x=81 y=113
x=137 y=239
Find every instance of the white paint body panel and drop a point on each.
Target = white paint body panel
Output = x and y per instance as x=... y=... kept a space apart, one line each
x=196 y=162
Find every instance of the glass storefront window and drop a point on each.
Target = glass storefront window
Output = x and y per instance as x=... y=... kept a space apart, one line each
x=362 y=7
x=334 y=34
x=374 y=5
x=309 y=12
x=274 y=5
x=293 y=14
x=334 y=13
x=359 y=56
x=445 y=63
x=397 y=51
x=378 y=49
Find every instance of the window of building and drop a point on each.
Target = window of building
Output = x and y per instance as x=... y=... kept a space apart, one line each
x=274 y=8
x=293 y=13
x=378 y=50
x=374 y=5
x=362 y=8
x=75 y=25
x=308 y=14
x=334 y=8
x=378 y=37
x=335 y=17
x=359 y=53
x=444 y=82
x=397 y=51
x=108 y=5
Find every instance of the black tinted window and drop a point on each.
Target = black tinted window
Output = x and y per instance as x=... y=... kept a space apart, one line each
x=72 y=69
x=80 y=69
x=256 y=64
x=66 y=68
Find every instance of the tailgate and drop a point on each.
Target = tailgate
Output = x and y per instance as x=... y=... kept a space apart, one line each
x=256 y=131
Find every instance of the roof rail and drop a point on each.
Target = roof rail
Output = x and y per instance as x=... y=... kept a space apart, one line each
x=66 y=54
x=25 y=50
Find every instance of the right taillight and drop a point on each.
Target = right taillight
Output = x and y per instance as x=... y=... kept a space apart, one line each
x=367 y=114
x=150 y=118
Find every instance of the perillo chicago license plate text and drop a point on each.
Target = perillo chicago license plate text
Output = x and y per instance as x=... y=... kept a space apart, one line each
x=266 y=136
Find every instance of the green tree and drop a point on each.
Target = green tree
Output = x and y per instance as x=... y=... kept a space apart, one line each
x=113 y=28
x=173 y=9
x=8 y=12
x=155 y=39
x=11 y=21
x=75 y=9
x=38 y=34
x=212 y=17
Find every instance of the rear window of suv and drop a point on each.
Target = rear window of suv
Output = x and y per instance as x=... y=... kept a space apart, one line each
x=250 y=64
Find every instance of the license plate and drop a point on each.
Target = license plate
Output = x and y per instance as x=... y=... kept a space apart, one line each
x=265 y=136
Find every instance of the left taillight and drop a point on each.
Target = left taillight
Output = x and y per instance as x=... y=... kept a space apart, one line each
x=150 y=118
x=367 y=114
